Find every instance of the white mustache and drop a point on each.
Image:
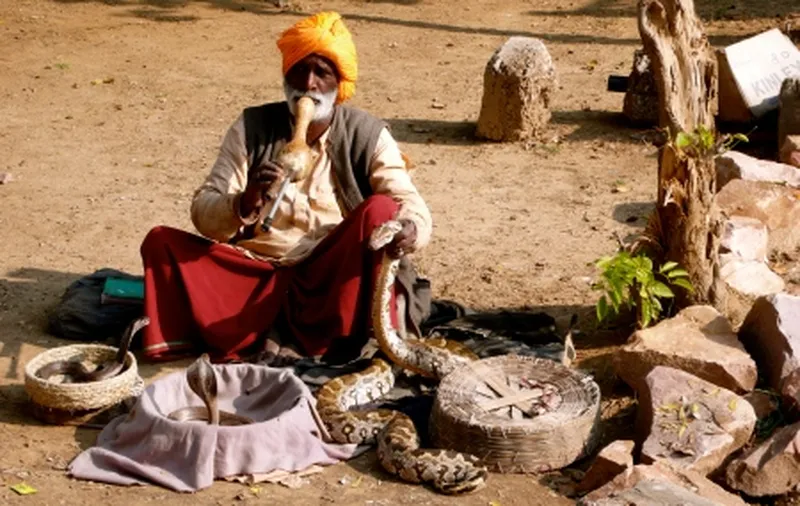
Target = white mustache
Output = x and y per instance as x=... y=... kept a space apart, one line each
x=324 y=102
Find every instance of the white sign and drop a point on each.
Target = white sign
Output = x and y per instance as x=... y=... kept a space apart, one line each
x=759 y=66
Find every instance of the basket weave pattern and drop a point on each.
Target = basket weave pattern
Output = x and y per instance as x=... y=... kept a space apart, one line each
x=81 y=396
x=516 y=444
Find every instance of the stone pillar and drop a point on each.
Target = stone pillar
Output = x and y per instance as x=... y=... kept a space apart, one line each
x=518 y=82
x=641 y=98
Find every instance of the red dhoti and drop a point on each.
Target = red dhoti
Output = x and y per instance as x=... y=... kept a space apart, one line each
x=204 y=295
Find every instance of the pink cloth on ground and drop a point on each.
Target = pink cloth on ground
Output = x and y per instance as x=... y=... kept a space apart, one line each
x=147 y=447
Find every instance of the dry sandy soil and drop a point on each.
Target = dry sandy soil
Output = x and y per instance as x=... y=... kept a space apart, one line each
x=97 y=165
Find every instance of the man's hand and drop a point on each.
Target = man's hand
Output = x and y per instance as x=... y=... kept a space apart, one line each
x=260 y=183
x=403 y=240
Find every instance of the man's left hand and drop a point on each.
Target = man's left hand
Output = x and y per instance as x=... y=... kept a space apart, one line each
x=403 y=240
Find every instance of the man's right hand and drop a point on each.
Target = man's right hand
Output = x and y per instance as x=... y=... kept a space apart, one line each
x=261 y=183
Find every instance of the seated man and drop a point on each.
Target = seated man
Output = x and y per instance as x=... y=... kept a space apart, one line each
x=312 y=273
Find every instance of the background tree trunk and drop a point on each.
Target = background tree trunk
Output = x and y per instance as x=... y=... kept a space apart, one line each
x=685 y=72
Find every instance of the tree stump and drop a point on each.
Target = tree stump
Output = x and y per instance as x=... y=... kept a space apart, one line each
x=687 y=222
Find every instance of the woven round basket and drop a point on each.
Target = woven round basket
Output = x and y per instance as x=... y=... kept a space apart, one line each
x=81 y=396
x=518 y=414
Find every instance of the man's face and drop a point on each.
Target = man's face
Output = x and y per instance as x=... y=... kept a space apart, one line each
x=315 y=77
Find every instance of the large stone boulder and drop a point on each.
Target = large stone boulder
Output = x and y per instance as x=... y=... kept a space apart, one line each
x=771 y=334
x=689 y=422
x=745 y=237
x=735 y=165
x=777 y=206
x=661 y=484
x=771 y=468
x=518 y=82
x=745 y=281
x=698 y=340
x=612 y=460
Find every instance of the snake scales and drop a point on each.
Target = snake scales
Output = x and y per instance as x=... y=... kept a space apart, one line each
x=398 y=443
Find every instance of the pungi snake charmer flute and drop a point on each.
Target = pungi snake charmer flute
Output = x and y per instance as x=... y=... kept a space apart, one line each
x=296 y=157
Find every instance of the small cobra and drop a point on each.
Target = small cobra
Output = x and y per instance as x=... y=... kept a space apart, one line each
x=76 y=372
x=203 y=381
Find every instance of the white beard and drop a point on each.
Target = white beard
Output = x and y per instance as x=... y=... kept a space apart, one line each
x=323 y=102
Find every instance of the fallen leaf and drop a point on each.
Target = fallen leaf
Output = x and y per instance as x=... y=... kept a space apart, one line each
x=23 y=489
x=732 y=405
x=255 y=490
x=357 y=482
x=494 y=503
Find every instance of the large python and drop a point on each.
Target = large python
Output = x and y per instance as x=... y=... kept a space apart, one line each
x=399 y=449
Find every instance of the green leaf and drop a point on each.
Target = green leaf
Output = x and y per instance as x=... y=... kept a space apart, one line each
x=741 y=137
x=659 y=289
x=645 y=313
x=683 y=140
x=657 y=307
x=603 y=263
x=678 y=273
x=706 y=138
x=667 y=266
x=683 y=283
x=602 y=308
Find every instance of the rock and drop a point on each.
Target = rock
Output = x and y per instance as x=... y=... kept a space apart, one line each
x=690 y=422
x=641 y=98
x=789 y=109
x=6 y=177
x=750 y=278
x=772 y=468
x=735 y=165
x=745 y=237
x=661 y=484
x=518 y=82
x=771 y=334
x=698 y=340
x=612 y=460
x=790 y=150
x=775 y=205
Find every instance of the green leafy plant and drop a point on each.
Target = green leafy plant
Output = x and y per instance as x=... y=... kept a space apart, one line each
x=632 y=282
x=704 y=143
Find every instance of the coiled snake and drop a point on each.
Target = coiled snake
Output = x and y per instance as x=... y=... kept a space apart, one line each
x=73 y=371
x=399 y=449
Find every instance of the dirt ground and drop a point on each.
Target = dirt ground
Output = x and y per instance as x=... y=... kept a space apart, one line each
x=113 y=111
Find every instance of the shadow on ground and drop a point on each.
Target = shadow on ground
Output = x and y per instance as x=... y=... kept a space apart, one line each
x=168 y=11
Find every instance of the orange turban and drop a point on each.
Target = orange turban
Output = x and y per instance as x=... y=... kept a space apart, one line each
x=323 y=34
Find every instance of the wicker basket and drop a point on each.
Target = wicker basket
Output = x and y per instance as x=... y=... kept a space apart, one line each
x=82 y=397
x=487 y=409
